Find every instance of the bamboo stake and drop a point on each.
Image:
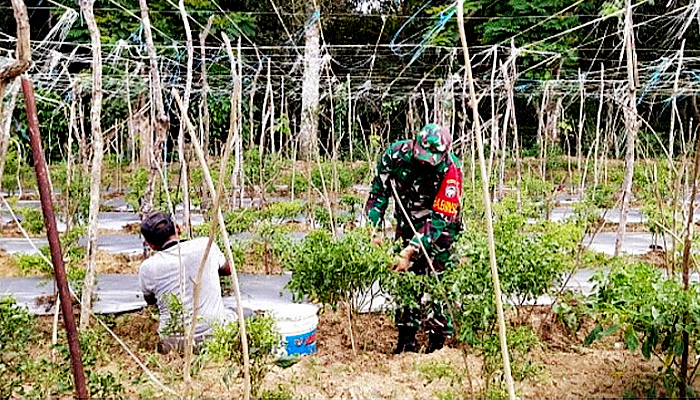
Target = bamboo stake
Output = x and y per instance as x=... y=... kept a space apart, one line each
x=487 y=204
x=671 y=141
x=97 y=159
x=350 y=119
x=186 y=219
x=238 y=94
x=631 y=125
x=227 y=243
x=579 y=136
x=494 y=120
x=516 y=143
x=205 y=86
x=597 y=130
x=160 y=121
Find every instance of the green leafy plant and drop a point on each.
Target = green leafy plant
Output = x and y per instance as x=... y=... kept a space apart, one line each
x=175 y=325
x=138 y=184
x=225 y=346
x=651 y=311
x=332 y=270
x=32 y=220
x=17 y=328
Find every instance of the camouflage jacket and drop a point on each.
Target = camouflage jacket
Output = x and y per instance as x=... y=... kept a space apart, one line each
x=417 y=186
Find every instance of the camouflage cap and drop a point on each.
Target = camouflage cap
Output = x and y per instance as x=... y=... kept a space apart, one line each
x=432 y=144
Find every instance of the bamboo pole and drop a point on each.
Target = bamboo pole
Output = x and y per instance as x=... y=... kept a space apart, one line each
x=205 y=86
x=579 y=136
x=597 y=129
x=631 y=125
x=487 y=204
x=160 y=121
x=216 y=195
x=97 y=160
x=186 y=219
x=688 y=243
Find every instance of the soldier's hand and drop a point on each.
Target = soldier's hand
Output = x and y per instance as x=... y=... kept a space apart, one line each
x=403 y=260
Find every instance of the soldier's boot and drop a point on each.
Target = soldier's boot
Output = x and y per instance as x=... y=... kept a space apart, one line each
x=407 y=340
x=435 y=342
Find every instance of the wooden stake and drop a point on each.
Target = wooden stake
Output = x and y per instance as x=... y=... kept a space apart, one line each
x=42 y=176
x=97 y=158
x=631 y=125
x=186 y=220
x=487 y=205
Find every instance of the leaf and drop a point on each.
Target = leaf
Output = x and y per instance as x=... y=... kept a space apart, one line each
x=593 y=336
x=647 y=348
x=631 y=339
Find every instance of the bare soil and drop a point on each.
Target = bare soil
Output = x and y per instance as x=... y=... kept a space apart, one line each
x=564 y=370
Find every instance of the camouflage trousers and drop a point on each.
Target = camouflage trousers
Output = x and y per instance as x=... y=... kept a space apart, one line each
x=431 y=312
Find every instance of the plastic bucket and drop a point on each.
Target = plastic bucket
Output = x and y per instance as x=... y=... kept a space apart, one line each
x=296 y=323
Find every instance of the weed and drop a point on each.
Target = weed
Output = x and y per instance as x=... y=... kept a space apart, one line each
x=279 y=392
x=435 y=370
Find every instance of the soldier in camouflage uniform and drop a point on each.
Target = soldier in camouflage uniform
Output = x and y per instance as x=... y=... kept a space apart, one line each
x=428 y=180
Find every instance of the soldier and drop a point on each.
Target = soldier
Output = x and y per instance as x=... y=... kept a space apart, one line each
x=428 y=180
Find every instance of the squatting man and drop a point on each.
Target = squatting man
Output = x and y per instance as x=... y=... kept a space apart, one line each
x=427 y=179
x=159 y=279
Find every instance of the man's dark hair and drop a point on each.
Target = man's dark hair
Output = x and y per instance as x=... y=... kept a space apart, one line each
x=157 y=228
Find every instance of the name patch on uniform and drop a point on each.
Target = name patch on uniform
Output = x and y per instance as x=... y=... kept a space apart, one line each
x=447 y=200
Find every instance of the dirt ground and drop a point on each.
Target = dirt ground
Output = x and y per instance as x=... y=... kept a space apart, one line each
x=566 y=370
x=107 y=263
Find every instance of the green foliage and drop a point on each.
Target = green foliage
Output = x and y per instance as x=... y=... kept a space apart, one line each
x=331 y=270
x=76 y=193
x=16 y=171
x=531 y=260
x=570 y=309
x=435 y=370
x=17 y=328
x=279 y=392
x=33 y=220
x=104 y=385
x=520 y=341
x=138 y=184
x=175 y=325
x=650 y=311
x=30 y=264
x=338 y=175
x=601 y=196
x=225 y=346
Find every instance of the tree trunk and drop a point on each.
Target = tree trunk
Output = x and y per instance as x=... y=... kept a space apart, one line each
x=631 y=125
x=160 y=122
x=308 y=146
x=97 y=157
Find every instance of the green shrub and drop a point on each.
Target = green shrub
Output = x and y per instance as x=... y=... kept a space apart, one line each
x=651 y=311
x=33 y=220
x=138 y=184
x=263 y=341
x=17 y=328
x=30 y=264
x=331 y=270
